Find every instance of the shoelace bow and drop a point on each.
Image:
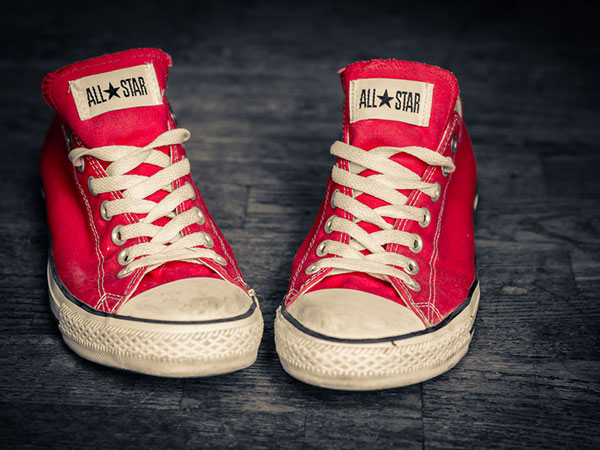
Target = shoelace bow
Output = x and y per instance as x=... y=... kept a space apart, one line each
x=167 y=242
x=384 y=185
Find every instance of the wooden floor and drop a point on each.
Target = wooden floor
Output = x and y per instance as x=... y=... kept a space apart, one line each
x=258 y=88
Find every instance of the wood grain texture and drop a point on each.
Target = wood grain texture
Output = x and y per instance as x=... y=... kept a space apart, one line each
x=256 y=84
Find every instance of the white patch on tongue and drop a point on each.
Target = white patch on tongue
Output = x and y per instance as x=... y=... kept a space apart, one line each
x=131 y=87
x=405 y=101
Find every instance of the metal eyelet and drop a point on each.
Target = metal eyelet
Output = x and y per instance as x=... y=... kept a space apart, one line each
x=417 y=244
x=329 y=224
x=438 y=192
x=220 y=260
x=123 y=257
x=426 y=218
x=115 y=235
x=69 y=140
x=444 y=171
x=89 y=185
x=454 y=144
x=413 y=285
x=81 y=167
x=413 y=267
x=125 y=272
x=201 y=218
x=311 y=269
x=208 y=241
x=332 y=198
x=104 y=212
x=320 y=251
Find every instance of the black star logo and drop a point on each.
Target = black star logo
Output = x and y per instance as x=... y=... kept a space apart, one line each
x=385 y=99
x=112 y=91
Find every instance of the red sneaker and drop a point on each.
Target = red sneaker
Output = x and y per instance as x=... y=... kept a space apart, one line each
x=384 y=291
x=140 y=277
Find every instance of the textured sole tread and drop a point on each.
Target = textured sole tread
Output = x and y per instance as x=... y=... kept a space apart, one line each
x=161 y=349
x=381 y=365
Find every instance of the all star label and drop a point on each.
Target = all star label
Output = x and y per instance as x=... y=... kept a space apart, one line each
x=131 y=87
x=405 y=101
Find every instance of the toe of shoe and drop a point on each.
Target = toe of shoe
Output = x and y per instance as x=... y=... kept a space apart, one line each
x=351 y=314
x=192 y=299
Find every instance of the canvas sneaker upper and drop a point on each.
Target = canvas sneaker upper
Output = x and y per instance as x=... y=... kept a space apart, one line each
x=397 y=218
x=124 y=212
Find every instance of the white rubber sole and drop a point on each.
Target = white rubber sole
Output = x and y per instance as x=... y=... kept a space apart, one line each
x=168 y=349
x=347 y=365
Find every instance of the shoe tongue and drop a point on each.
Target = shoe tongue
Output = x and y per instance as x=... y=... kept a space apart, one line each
x=115 y=99
x=397 y=103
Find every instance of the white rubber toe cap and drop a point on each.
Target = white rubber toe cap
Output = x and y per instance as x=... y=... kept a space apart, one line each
x=191 y=299
x=352 y=314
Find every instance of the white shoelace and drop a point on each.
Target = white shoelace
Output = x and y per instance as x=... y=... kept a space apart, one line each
x=166 y=243
x=384 y=185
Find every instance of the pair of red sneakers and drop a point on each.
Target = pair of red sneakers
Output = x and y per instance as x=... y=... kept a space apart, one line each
x=383 y=291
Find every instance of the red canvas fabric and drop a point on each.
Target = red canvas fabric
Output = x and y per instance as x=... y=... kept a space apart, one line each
x=447 y=267
x=84 y=255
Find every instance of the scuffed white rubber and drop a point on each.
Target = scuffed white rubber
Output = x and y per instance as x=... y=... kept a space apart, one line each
x=168 y=349
x=348 y=365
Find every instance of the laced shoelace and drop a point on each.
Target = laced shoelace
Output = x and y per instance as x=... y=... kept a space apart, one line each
x=389 y=178
x=167 y=242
